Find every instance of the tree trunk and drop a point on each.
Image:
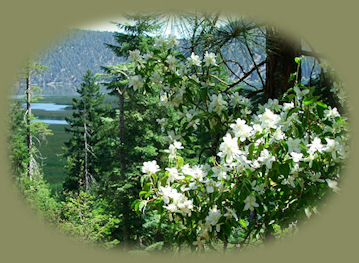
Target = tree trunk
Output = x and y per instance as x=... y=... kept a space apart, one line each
x=281 y=53
x=28 y=119
x=125 y=204
x=86 y=174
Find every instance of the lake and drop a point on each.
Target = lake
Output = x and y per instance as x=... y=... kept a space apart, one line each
x=48 y=106
x=63 y=122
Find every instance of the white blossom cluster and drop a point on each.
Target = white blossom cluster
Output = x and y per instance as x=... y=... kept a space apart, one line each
x=266 y=160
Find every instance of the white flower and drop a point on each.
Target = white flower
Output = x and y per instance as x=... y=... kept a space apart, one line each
x=242 y=163
x=289 y=181
x=217 y=103
x=172 y=41
x=257 y=128
x=297 y=157
x=241 y=129
x=316 y=178
x=209 y=59
x=135 y=82
x=229 y=148
x=194 y=60
x=211 y=184
x=135 y=56
x=171 y=207
x=173 y=175
x=316 y=145
x=278 y=135
x=288 y=106
x=185 y=206
x=148 y=56
x=160 y=41
x=213 y=216
x=172 y=149
x=236 y=99
x=331 y=147
x=209 y=188
x=269 y=119
x=220 y=173
x=310 y=158
x=333 y=185
x=293 y=145
x=156 y=79
x=300 y=93
x=150 y=167
x=177 y=145
x=273 y=104
x=199 y=172
x=168 y=193
x=250 y=203
x=230 y=213
x=187 y=170
x=260 y=188
x=171 y=60
x=191 y=186
x=171 y=152
x=266 y=158
x=331 y=113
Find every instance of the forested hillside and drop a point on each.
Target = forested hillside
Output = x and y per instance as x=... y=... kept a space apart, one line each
x=69 y=60
x=81 y=50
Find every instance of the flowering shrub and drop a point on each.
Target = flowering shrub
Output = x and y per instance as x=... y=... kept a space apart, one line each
x=271 y=162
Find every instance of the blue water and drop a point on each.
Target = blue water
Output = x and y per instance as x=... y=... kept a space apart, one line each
x=47 y=106
x=53 y=121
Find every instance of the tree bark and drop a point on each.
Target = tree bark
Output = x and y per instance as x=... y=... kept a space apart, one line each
x=281 y=53
x=123 y=166
x=86 y=174
x=28 y=119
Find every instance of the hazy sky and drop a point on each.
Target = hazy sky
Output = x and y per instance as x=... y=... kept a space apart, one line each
x=103 y=25
x=106 y=25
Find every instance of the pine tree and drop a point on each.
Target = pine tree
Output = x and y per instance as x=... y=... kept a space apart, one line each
x=85 y=122
x=31 y=69
x=18 y=150
x=132 y=131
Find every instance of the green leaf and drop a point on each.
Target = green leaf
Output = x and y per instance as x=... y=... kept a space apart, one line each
x=250 y=150
x=308 y=102
x=180 y=161
x=243 y=223
x=142 y=193
x=141 y=205
x=321 y=104
x=148 y=194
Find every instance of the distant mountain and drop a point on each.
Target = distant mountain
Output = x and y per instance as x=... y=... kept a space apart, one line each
x=81 y=50
x=69 y=60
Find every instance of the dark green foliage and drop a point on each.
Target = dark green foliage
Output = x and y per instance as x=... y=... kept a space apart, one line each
x=86 y=217
x=53 y=164
x=38 y=193
x=18 y=151
x=135 y=37
x=84 y=122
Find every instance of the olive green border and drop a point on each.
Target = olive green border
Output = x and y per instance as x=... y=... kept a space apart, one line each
x=27 y=27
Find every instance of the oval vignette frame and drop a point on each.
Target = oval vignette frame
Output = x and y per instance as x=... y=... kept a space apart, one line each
x=26 y=238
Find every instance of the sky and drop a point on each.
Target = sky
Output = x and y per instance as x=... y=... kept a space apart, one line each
x=107 y=25
x=103 y=25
